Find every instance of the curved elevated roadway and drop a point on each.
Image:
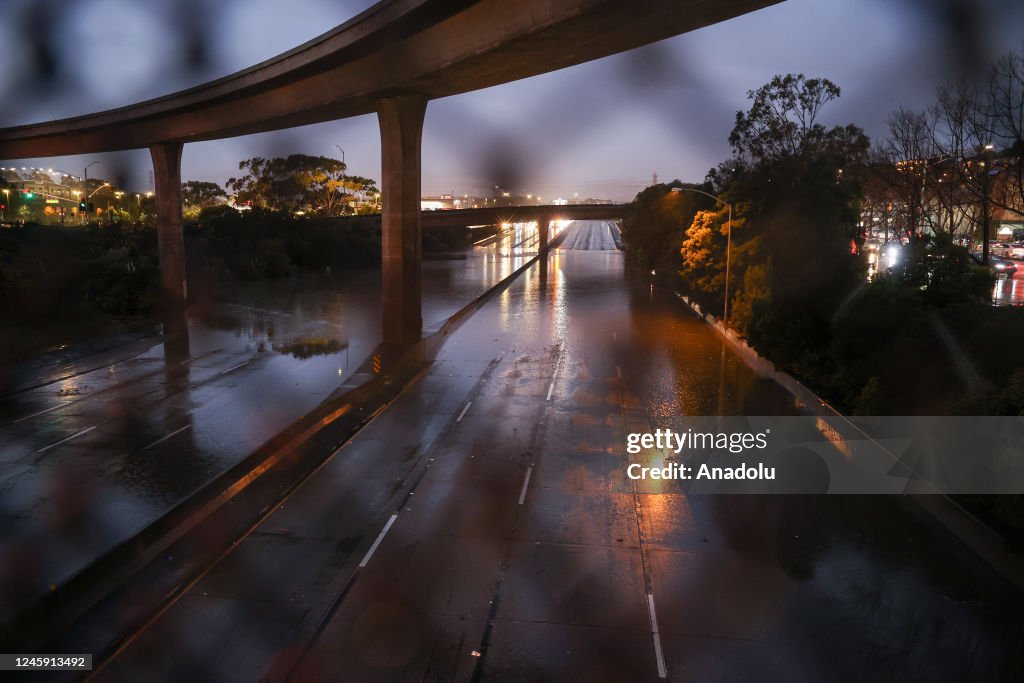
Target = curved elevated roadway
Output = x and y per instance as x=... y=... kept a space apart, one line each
x=390 y=59
x=429 y=48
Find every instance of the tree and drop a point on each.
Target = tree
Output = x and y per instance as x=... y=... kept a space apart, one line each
x=201 y=194
x=782 y=121
x=653 y=233
x=298 y=181
x=256 y=186
x=197 y=195
x=795 y=187
x=1004 y=104
x=322 y=183
x=703 y=252
x=902 y=162
x=362 y=192
x=980 y=130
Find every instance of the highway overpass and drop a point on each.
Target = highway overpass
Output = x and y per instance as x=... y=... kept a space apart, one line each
x=390 y=60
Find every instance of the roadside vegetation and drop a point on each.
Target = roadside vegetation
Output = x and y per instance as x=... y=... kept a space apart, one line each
x=814 y=207
x=799 y=289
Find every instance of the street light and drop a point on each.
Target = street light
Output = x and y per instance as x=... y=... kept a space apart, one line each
x=728 y=246
x=85 y=176
x=343 y=168
x=98 y=189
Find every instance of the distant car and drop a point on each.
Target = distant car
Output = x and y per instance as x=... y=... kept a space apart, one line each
x=999 y=248
x=1016 y=251
x=1002 y=266
x=999 y=266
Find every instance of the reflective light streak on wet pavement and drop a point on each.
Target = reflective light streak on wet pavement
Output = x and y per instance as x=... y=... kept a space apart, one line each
x=591 y=575
x=95 y=448
x=1010 y=291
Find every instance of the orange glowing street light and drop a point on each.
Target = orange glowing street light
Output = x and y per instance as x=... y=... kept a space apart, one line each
x=728 y=246
x=98 y=189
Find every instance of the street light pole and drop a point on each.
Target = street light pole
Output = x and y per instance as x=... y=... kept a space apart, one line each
x=85 y=185
x=728 y=260
x=728 y=245
x=343 y=169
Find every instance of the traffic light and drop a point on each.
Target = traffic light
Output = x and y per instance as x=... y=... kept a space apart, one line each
x=81 y=206
x=30 y=195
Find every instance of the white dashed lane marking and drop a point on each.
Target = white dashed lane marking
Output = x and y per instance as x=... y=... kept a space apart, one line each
x=380 y=537
x=526 y=484
x=658 y=654
x=73 y=436
x=164 y=438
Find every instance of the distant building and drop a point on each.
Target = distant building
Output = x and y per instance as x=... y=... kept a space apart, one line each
x=444 y=202
x=41 y=200
x=450 y=201
x=44 y=188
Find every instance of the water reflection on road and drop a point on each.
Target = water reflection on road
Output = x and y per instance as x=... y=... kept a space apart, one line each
x=1009 y=291
x=332 y=321
x=94 y=449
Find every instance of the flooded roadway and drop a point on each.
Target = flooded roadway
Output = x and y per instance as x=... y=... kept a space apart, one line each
x=1009 y=291
x=483 y=528
x=97 y=448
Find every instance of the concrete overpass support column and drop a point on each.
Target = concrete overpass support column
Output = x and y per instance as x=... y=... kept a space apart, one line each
x=544 y=226
x=401 y=128
x=171 y=247
x=167 y=174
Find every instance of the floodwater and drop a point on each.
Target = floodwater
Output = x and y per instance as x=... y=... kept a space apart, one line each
x=95 y=448
x=499 y=537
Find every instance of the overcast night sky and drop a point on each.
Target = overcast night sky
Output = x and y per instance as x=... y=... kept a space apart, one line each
x=599 y=129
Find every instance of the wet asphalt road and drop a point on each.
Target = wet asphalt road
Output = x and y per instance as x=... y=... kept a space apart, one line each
x=96 y=448
x=483 y=526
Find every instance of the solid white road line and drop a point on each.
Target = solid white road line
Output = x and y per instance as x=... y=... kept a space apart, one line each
x=662 y=671
x=550 y=389
x=233 y=368
x=383 y=532
x=43 y=412
x=526 y=484
x=463 y=413
x=164 y=438
x=73 y=436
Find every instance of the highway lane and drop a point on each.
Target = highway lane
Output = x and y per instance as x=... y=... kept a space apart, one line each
x=589 y=236
x=483 y=527
x=96 y=447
